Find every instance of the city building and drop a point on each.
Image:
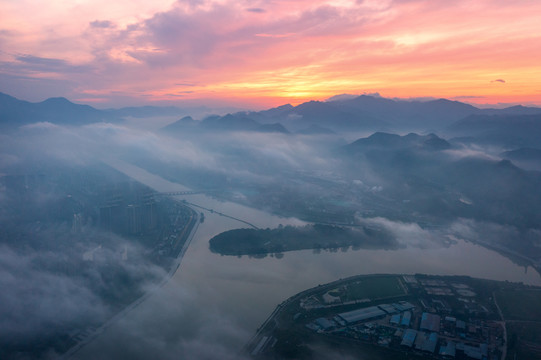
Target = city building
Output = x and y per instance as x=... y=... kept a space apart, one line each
x=409 y=338
x=430 y=322
x=354 y=316
x=406 y=319
x=448 y=350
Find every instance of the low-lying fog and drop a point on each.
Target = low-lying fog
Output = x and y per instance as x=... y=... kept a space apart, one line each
x=424 y=190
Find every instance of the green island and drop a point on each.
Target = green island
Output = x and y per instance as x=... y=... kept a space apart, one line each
x=312 y=236
x=404 y=317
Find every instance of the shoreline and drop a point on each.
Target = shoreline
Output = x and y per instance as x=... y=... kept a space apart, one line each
x=175 y=265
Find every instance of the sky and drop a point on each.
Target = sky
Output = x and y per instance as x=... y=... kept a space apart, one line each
x=258 y=54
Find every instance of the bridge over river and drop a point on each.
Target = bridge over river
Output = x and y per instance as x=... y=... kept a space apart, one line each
x=207 y=192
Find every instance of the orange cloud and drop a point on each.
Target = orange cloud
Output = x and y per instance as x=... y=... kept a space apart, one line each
x=270 y=53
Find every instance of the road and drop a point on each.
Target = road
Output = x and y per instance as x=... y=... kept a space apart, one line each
x=504 y=350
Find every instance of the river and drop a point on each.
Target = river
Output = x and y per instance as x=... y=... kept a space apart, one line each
x=213 y=304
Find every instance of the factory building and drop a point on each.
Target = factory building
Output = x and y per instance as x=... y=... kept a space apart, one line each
x=474 y=352
x=388 y=308
x=325 y=324
x=403 y=306
x=426 y=342
x=406 y=319
x=354 y=316
x=409 y=338
x=430 y=343
x=430 y=322
x=395 y=319
x=448 y=350
x=420 y=339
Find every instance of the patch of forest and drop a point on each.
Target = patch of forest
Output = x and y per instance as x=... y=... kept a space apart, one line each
x=288 y=238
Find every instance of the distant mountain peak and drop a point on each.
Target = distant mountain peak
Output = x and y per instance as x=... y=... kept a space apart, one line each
x=284 y=107
x=383 y=140
x=230 y=122
x=310 y=104
x=57 y=100
x=379 y=136
x=341 y=97
x=4 y=95
x=272 y=128
x=55 y=110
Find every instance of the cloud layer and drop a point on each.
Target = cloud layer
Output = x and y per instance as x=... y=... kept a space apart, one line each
x=268 y=53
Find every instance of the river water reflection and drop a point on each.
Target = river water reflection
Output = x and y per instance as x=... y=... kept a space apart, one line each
x=214 y=303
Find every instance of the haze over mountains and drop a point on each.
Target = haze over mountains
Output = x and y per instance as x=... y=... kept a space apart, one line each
x=15 y=112
x=132 y=133
x=59 y=110
x=361 y=113
x=367 y=113
x=423 y=173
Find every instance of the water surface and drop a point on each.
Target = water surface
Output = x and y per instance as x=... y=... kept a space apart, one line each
x=214 y=303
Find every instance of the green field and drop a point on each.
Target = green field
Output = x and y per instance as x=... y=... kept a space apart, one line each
x=374 y=287
x=520 y=304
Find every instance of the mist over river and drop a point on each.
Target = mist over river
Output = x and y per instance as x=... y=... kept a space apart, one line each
x=213 y=304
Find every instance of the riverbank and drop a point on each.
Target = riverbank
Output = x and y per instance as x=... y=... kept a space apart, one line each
x=208 y=306
x=178 y=248
x=426 y=316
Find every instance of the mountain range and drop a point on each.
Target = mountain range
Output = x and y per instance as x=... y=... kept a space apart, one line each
x=15 y=112
x=367 y=113
x=61 y=111
x=506 y=130
x=361 y=113
x=436 y=183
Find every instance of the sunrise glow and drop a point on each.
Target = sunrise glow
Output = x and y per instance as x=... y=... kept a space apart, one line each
x=266 y=53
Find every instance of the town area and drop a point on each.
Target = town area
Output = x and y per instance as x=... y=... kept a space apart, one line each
x=404 y=316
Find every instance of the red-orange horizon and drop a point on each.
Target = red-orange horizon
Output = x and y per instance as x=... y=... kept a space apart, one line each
x=259 y=54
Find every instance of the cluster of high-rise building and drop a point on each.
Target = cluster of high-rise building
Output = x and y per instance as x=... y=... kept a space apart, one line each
x=129 y=210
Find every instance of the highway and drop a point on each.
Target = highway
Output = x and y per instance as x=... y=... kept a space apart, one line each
x=504 y=349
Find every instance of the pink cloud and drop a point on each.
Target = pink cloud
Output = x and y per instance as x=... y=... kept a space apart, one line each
x=231 y=48
x=275 y=35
